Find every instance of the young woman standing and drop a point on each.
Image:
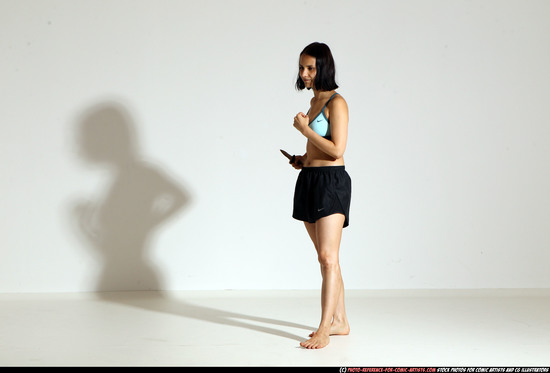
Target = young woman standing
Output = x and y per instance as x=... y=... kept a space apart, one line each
x=323 y=189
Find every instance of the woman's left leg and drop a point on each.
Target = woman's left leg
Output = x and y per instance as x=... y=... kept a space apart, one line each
x=328 y=232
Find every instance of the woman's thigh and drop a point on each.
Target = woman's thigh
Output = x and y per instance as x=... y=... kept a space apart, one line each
x=312 y=231
x=326 y=234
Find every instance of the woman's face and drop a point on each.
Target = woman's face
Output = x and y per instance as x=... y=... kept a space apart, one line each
x=308 y=70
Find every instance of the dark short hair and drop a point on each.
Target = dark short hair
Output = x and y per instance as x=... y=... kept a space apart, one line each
x=325 y=78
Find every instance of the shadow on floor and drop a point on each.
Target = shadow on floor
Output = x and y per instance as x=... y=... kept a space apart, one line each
x=161 y=302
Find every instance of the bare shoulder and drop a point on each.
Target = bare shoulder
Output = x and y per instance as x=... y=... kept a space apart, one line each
x=338 y=103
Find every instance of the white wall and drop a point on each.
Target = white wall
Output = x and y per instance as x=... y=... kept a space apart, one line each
x=448 y=149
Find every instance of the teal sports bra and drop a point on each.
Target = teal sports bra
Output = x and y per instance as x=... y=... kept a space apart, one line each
x=320 y=124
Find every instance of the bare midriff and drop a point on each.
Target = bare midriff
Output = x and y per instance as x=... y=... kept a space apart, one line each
x=317 y=158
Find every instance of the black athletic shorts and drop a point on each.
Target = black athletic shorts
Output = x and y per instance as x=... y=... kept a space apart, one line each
x=320 y=192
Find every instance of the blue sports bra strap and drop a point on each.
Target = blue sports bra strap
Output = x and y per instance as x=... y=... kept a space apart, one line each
x=331 y=97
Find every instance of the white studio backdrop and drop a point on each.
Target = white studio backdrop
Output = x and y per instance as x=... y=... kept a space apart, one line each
x=115 y=112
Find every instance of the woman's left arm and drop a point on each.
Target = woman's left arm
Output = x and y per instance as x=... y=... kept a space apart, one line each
x=338 y=115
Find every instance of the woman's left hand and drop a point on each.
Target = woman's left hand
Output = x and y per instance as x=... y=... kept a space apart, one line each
x=301 y=121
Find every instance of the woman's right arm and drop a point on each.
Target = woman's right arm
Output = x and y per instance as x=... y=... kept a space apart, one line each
x=299 y=161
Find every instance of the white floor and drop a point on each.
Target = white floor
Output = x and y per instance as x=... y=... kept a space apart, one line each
x=264 y=328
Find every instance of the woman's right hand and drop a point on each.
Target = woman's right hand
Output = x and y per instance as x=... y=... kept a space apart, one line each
x=298 y=161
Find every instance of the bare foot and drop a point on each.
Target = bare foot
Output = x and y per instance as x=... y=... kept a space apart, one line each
x=318 y=340
x=337 y=328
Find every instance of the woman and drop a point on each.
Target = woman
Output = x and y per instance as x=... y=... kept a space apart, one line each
x=323 y=189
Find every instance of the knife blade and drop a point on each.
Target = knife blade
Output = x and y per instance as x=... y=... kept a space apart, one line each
x=291 y=158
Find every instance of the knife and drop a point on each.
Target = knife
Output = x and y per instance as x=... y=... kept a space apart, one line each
x=291 y=158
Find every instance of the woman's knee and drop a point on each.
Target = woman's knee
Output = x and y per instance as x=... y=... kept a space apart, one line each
x=327 y=259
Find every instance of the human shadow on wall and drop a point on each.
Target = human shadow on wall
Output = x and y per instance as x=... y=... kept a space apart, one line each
x=139 y=199
x=119 y=226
